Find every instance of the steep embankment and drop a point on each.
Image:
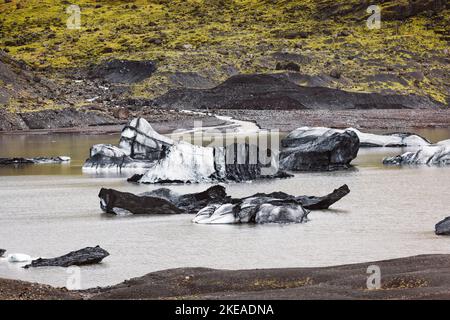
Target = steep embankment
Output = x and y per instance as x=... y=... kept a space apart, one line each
x=199 y=44
x=23 y=90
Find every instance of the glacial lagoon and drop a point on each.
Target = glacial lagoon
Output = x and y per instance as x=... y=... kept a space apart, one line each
x=49 y=210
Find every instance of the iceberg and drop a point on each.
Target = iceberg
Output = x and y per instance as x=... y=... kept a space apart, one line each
x=154 y=158
x=432 y=155
x=398 y=139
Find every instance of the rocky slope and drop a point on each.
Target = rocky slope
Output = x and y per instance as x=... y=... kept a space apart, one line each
x=258 y=91
x=191 y=45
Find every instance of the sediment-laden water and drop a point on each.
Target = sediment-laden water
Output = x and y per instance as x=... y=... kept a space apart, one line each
x=49 y=210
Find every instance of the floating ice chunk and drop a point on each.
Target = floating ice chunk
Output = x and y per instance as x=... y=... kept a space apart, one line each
x=107 y=150
x=139 y=139
x=289 y=213
x=433 y=155
x=183 y=163
x=216 y=214
x=366 y=139
x=139 y=148
x=18 y=257
x=390 y=140
x=253 y=210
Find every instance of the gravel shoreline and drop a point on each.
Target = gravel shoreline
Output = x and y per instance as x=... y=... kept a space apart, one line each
x=366 y=120
x=285 y=121
x=418 y=277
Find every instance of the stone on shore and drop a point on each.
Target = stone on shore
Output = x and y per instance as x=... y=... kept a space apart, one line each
x=86 y=256
x=315 y=149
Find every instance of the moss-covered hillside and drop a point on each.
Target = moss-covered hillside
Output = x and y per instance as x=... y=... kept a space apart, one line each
x=217 y=38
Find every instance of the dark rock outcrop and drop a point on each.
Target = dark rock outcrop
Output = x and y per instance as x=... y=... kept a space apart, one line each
x=19 y=82
x=2 y=252
x=65 y=118
x=123 y=71
x=442 y=228
x=86 y=256
x=392 y=10
x=324 y=151
x=37 y=160
x=263 y=91
x=191 y=80
x=400 y=10
x=10 y=121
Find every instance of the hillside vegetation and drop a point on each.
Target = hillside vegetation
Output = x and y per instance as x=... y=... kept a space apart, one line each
x=326 y=39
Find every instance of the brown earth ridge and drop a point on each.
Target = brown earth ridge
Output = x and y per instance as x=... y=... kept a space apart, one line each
x=417 y=277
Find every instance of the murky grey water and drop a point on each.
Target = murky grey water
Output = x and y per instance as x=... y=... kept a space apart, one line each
x=48 y=210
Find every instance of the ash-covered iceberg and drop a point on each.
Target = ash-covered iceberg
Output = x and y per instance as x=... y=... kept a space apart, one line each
x=432 y=155
x=154 y=158
x=187 y=163
x=398 y=139
x=275 y=207
x=140 y=141
x=139 y=148
x=253 y=210
x=318 y=149
x=184 y=162
x=391 y=140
